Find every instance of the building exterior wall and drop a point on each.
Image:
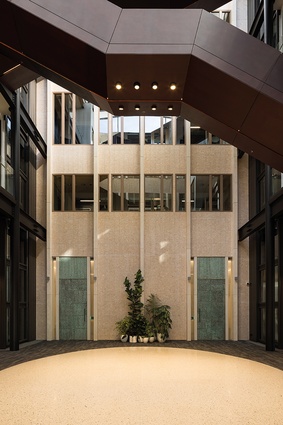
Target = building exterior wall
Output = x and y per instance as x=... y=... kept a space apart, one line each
x=161 y=244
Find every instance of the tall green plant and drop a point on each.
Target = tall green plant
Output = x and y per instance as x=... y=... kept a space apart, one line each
x=158 y=315
x=134 y=292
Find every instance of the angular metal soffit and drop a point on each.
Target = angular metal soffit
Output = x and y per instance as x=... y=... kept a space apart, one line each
x=226 y=81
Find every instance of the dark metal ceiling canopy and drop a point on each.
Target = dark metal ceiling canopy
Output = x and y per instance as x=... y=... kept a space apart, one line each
x=226 y=81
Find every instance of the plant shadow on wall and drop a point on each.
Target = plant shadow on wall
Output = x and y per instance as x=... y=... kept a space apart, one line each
x=144 y=323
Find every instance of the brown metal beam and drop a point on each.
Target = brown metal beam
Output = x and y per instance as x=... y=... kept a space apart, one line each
x=227 y=81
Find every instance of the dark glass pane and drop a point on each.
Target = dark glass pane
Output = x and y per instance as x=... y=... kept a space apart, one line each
x=167 y=193
x=68 y=118
x=57 y=119
x=116 y=193
x=84 y=122
x=84 y=193
x=23 y=193
x=215 y=140
x=103 y=193
x=152 y=193
x=167 y=130
x=215 y=193
x=117 y=131
x=262 y=286
x=198 y=135
x=277 y=181
x=23 y=286
x=227 y=193
x=180 y=131
x=24 y=155
x=57 y=193
x=200 y=193
x=131 y=193
x=180 y=193
x=68 y=193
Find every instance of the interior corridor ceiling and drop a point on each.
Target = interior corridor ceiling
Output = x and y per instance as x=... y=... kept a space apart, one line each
x=226 y=81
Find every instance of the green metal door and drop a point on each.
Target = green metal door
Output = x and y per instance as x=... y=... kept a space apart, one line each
x=72 y=298
x=211 y=298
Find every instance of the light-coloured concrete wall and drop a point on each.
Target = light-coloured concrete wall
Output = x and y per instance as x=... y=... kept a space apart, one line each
x=118 y=159
x=165 y=265
x=72 y=234
x=118 y=256
x=72 y=159
x=165 y=159
x=212 y=234
x=208 y=159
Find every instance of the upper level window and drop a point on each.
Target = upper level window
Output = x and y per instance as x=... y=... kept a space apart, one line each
x=125 y=130
x=125 y=192
x=158 y=192
x=73 y=120
x=158 y=130
x=24 y=96
x=222 y=14
x=199 y=136
x=73 y=192
x=6 y=153
x=103 y=128
x=180 y=193
x=277 y=181
x=180 y=140
x=211 y=193
x=103 y=192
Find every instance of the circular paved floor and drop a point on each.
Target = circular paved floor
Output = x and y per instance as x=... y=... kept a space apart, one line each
x=141 y=385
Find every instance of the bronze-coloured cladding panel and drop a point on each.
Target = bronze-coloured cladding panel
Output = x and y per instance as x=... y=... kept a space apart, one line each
x=225 y=78
x=90 y=21
x=70 y=57
x=235 y=47
x=156 y=27
x=206 y=121
x=218 y=94
x=208 y=5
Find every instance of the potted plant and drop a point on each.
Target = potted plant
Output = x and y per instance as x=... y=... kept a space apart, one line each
x=159 y=317
x=122 y=327
x=163 y=322
x=150 y=332
x=137 y=325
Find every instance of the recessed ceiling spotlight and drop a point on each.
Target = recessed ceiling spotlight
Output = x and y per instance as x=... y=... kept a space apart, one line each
x=118 y=85
x=137 y=107
x=154 y=85
x=137 y=85
x=170 y=108
x=121 y=108
x=173 y=86
x=154 y=107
